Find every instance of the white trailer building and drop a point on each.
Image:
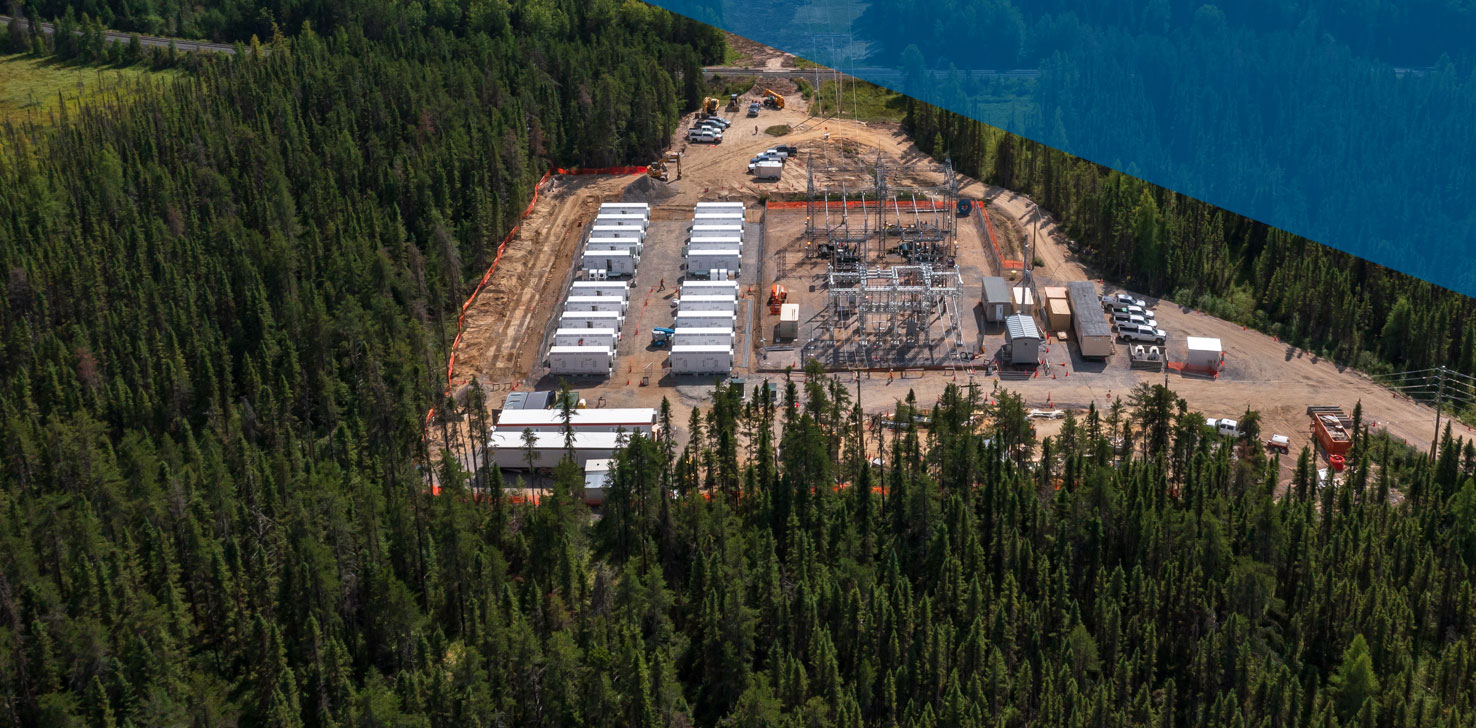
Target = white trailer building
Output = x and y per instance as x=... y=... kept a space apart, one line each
x=700 y=261
x=613 y=262
x=586 y=337
x=705 y=320
x=507 y=450
x=716 y=218
x=596 y=481
x=591 y=320
x=706 y=205
x=709 y=288
x=718 y=336
x=616 y=231
x=633 y=419
x=596 y=245
x=581 y=360
x=768 y=170
x=600 y=288
x=574 y=304
x=1203 y=353
x=701 y=359
x=626 y=208
x=715 y=242
x=620 y=219
x=719 y=303
x=717 y=230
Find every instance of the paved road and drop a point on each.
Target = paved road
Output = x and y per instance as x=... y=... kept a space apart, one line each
x=114 y=36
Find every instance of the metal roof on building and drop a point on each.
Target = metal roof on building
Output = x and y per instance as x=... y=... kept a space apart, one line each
x=996 y=290
x=1085 y=305
x=1020 y=326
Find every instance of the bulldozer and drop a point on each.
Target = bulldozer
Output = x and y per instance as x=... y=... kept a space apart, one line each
x=662 y=168
x=710 y=105
x=773 y=99
x=732 y=102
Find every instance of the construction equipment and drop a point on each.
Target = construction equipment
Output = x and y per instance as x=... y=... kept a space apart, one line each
x=777 y=296
x=710 y=105
x=661 y=336
x=732 y=102
x=773 y=99
x=662 y=168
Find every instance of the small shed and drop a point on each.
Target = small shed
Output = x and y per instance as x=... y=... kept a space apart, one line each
x=996 y=299
x=788 y=321
x=1204 y=353
x=1024 y=300
x=1022 y=339
x=1052 y=293
x=1058 y=314
x=596 y=480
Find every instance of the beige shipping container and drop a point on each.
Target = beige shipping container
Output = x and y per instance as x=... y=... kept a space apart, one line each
x=1053 y=292
x=1058 y=314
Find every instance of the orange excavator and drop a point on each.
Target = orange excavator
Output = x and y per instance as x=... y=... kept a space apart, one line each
x=777 y=296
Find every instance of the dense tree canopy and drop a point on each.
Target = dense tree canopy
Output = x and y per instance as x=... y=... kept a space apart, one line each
x=224 y=306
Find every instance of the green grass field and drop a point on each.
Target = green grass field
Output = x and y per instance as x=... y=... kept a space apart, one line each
x=861 y=101
x=33 y=89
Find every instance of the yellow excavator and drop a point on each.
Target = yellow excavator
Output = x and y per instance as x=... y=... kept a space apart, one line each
x=773 y=99
x=662 y=168
x=710 y=105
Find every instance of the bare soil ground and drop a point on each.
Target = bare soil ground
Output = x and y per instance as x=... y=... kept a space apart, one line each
x=505 y=325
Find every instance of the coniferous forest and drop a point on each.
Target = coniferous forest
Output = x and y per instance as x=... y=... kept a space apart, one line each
x=226 y=302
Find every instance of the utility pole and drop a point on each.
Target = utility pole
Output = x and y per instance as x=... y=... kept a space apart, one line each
x=1439 y=400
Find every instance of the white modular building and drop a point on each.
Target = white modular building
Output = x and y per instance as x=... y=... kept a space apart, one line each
x=575 y=304
x=686 y=359
x=719 y=303
x=626 y=208
x=713 y=230
x=597 y=245
x=717 y=218
x=715 y=241
x=613 y=262
x=721 y=206
x=705 y=320
x=717 y=336
x=596 y=481
x=700 y=261
x=586 y=337
x=709 y=288
x=1203 y=353
x=580 y=360
x=507 y=450
x=620 y=219
x=600 y=288
x=631 y=420
x=591 y=320
x=616 y=231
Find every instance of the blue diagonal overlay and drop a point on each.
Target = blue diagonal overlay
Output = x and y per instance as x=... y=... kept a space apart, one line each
x=1348 y=123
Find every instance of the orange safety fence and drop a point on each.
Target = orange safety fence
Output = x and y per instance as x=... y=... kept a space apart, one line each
x=461 y=317
x=837 y=204
x=994 y=241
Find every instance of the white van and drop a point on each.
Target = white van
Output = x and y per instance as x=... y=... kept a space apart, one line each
x=1226 y=427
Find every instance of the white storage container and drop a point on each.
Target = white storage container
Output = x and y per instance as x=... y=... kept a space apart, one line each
x=507 y=449
x=620 y=219
x=600 y=245
x=709 y=288
x=705 y=320
x=710 y=230
x=575 y=304
x=700 y=261
x=701 y=359
x=626 y=208
x=580 y=360
x=591 y=320
x=720 y=303
x=617 y=231
x=718 y=336
x=586 y=337
x=615 y=263
x=599 y=288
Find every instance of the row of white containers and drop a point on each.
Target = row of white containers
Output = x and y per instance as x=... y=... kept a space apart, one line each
x=707 y=308
x=589 y=327
x=715 y=241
